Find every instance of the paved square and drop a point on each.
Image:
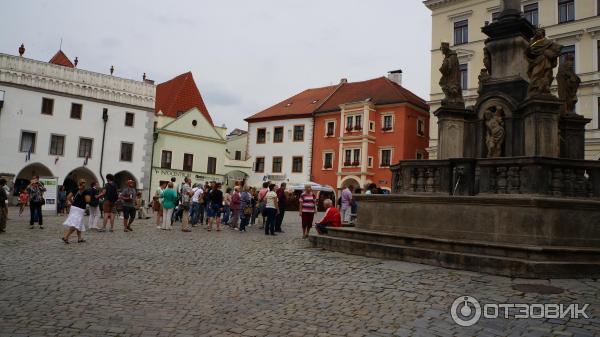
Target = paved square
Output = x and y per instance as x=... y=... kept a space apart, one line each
x=157 y=283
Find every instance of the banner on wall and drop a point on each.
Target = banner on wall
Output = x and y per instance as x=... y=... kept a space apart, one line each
x=51 y=194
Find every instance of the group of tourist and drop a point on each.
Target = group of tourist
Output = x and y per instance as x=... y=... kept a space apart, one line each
x=193 y=205
x=237 y=208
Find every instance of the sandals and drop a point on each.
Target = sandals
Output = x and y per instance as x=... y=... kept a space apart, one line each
x=65 y=241
x=81 y=241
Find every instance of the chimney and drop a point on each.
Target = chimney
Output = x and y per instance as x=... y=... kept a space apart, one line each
x=395 y=76
x=344 y=80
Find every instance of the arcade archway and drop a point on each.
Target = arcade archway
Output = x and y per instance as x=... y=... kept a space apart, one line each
x=70 y=182
x=350 y=180
x=122 y=177
x=24 y=177
x=234 y=176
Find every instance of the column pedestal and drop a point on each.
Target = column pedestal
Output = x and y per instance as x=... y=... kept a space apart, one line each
x=540 y=126
x=572 y=136
x=451 y=131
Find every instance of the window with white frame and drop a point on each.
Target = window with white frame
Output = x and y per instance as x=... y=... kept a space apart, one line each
x=330 y=128
x=387 y=123
x=348 y=157
x=27 y=141
x=278 y=134
x=358 y=122
x=385 y=156
x=420 y=155
x=371 y=126
x=566 y=10
x=420 y=127
x=297 y=164
x=461 y=32
x=370 y=162
x=353 y=122
x=567 y=50
x=328 y=160
x=464 y=76
x=356 y=157
x=57 y=145
x=349 y=123
x=277 y=165
x=530 y=12
x=85 y=147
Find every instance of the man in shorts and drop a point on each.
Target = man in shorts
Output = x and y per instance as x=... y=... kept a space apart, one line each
x=110 y=196
x=128 y=198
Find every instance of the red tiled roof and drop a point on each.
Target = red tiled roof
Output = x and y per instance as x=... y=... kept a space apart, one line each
x=61 y=59
x=180 y=94
x=380 y=90
x=300 y=105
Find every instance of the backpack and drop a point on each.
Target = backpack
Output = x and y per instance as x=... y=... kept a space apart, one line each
x=3 y=197
x=111 y=192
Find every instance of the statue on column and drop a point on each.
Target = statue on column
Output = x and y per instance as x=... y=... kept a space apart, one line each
x=542 y=55
x=494 y=123
x=568 y=83
x=485 y=72
x=450 y=81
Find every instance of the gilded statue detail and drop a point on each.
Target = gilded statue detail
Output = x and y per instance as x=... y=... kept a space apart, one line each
x=494 y=123
x=568 y=83
x=542 y=55
x=450 y=81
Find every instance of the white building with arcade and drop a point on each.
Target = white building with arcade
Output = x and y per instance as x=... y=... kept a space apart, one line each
x=60 y=121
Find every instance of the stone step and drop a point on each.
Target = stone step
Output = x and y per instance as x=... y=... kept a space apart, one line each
x=498 y=265
x=530 y=252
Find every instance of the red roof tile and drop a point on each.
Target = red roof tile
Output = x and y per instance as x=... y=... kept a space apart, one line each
x=180 y=94
x=300 y=105
x=379 y=90
x=61 y=59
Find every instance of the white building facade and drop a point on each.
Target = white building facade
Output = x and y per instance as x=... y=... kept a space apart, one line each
x=281 y=150
x=68 y=123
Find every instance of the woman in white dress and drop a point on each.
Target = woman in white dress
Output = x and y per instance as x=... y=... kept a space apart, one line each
x=74 y=222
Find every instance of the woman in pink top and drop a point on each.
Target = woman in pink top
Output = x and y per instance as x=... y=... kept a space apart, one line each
x=307 y=210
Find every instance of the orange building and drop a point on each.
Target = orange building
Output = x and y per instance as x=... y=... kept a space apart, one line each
x=363 y=128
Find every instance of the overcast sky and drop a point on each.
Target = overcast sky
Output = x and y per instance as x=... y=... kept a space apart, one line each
x=245 y=55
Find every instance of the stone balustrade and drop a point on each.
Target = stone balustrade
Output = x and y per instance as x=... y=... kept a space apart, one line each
x=515 y=175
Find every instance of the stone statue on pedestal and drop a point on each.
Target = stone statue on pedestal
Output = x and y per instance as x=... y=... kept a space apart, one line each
x=568 y=83
x=450 y=81
x=494 y=123
x=542 y=55
x=486 y=72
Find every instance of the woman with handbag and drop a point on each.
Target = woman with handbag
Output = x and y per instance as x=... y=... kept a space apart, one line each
x=74 y=222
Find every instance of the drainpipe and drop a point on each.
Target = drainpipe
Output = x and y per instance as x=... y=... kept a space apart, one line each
x=154 y=139
x=105 y=119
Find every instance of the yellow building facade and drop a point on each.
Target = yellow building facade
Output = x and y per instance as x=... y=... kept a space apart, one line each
x=190 y=146
x=573 y=23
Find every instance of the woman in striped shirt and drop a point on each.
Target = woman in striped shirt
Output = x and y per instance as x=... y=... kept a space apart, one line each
x=308 y=208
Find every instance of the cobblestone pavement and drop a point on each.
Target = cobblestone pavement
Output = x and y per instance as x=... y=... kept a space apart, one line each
x=157 y=283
